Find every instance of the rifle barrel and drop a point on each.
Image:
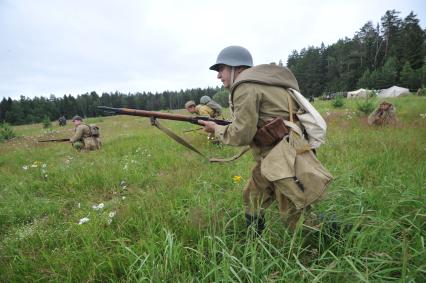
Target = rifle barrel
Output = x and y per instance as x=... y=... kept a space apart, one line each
x=162 y=115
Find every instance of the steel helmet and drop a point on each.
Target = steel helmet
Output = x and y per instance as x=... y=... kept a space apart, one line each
x=190 y=103
x=76 y=117
x=233 y=56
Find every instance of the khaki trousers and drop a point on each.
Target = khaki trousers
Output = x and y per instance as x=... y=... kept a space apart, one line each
x=259 y=194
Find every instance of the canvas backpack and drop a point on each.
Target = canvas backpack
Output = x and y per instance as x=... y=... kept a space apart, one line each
x=206 y=100
x=311 y=120
x=94 y=130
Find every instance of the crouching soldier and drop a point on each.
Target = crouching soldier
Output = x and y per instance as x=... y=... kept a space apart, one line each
x=86 y=137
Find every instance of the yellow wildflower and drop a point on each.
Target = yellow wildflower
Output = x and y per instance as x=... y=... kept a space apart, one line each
x=236 y=179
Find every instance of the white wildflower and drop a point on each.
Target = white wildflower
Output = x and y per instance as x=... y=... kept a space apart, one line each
x=123 y=198
x=25 y=167
x=34 y=165
x=44 y=165
x=83 y=220
x=112 y=214
x=97 y=207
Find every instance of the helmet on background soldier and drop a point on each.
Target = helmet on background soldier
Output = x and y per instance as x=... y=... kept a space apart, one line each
x=76 y=117
x=190 y=103
x=233 y=56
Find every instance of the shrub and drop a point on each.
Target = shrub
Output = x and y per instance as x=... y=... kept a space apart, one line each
x=46 y=122
x=338 y=102
x=373 y=93
x=6 y=132
x=366 y=107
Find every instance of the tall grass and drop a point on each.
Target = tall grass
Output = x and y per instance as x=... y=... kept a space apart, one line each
x=177 y=218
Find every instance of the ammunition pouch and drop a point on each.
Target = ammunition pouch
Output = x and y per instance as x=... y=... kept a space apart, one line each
x=271 y=133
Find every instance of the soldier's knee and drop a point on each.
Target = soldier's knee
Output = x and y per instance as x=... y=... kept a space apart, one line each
x=78 y=145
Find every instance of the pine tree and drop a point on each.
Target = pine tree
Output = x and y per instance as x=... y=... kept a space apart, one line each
x=391 y=25
x=413 y=41
x=407 y=75
x=365 y=80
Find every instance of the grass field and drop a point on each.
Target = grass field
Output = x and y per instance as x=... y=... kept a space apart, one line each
x=169 y=216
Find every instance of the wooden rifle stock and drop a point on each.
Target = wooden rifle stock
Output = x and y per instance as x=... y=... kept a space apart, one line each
x=162 y=115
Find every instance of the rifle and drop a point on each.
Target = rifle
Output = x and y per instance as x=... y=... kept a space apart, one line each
x=167 y=116
x=162 y=115
x=55 y=140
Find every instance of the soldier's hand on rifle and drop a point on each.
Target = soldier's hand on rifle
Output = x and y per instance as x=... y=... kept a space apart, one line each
x=209 y=127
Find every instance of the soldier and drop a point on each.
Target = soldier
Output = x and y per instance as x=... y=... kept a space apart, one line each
x=203 y=110
x=206 y=100
x=200 y=109
x=62 y=121
x=384 y=115
x=83 y=138
x=258 y=96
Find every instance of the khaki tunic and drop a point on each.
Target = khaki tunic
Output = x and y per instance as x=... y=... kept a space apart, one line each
x=204 y=110
x=257 y=96
x=83 y=134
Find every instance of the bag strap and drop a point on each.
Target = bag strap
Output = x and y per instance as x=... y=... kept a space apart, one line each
x=90 y=129
x=232 y=158
x=295 y=130
x=290 y=109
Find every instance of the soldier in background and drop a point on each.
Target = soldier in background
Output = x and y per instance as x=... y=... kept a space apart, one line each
x=205 y=110
x=384 y=115
x=62 y=121
x=202 y=110
x=206 y=100
x=84 y=139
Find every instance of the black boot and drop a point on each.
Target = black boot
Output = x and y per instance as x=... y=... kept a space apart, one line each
x=258 y=221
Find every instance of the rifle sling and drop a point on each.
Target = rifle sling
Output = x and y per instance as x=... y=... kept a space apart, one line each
x=183 y=142
x=232 y=158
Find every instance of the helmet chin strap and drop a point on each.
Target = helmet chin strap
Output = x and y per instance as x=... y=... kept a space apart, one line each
x=232 y=76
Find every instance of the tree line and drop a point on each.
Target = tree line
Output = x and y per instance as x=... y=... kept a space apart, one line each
x=27 y=111
x=392 y=52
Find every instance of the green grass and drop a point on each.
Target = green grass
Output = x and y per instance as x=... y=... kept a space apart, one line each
x=180 y=219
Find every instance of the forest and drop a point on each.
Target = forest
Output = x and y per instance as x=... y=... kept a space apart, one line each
x=379 y=56
x=391 y=52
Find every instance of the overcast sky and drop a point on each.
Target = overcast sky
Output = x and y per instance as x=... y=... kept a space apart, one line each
x=77 y=46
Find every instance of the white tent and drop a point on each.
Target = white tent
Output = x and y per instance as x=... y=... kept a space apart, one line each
x=393 y=91
x=358 y=93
